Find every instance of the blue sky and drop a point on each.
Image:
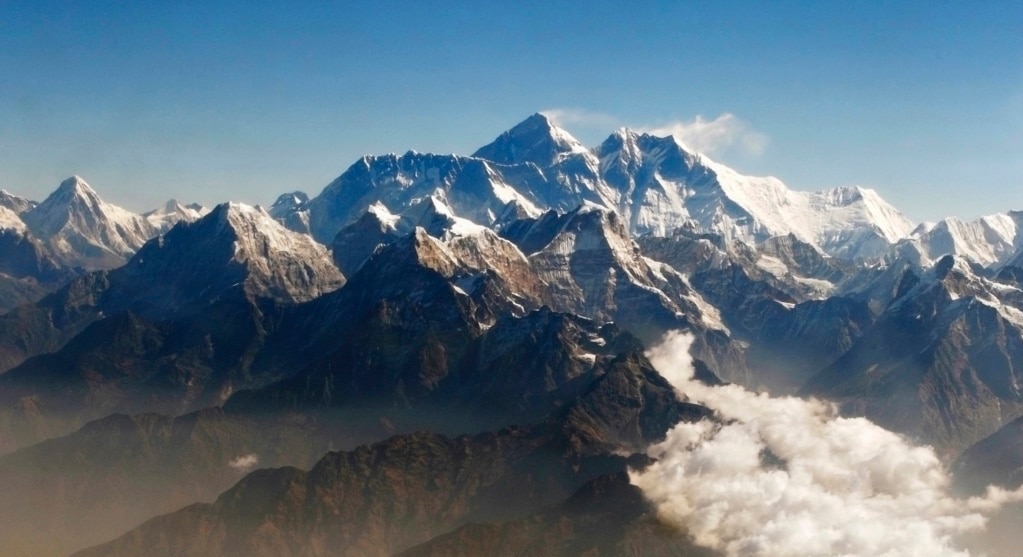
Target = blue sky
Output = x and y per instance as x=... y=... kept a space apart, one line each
x=922 y=101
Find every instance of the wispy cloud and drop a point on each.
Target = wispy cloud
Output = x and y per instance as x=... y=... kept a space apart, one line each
x=582 y=117
x=726 y=132
x=244 y=463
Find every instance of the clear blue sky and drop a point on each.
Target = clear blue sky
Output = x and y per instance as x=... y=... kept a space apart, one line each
x=922 y=101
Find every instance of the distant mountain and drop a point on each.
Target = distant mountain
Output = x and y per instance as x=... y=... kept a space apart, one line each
x=171 y=213
x=28 y=267
x=71 y=232
x=235 y=250
x=653 y=183
x=289 y=209
x=989 y=241
x=181 y=326
x=234 y=246
x=472 y=188
x=940 y=363
x=84 y=230
x=593 y=267
x=14 y=203
x=535 y=140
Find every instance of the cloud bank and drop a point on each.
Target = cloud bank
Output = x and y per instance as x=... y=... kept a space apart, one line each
x=787 y=477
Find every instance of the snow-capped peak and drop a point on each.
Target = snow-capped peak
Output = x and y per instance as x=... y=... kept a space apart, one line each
x=287 y=203
x=173 y=212
x=9 y=220
x=237 y=242
x=991 y=240
x=15 y=203
x=386 y=218
x=84 y=229
x=654 y=183
x=75 y=186
x=536 y=139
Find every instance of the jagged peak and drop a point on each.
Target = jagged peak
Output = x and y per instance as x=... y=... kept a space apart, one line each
x=923 y=228
x=383 y=215
x=536 y=139
x=292 y=199
x=72 y=191
x=171 y=213
x=85 y=229
x=434 y=215
x=626 y=144
x=610 y=222
x=421 y=248
x=234 y=212
x=75 y=184
x=620 y=138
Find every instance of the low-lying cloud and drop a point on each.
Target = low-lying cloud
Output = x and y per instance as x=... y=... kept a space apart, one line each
x=244 y=463
x=781 y=477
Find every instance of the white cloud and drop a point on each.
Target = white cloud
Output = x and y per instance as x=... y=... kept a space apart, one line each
x=569 y=117
x=725 y=132
x=787 y=477
x=244 y=463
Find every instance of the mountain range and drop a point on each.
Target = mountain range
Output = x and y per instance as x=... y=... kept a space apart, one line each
x=448 y=355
